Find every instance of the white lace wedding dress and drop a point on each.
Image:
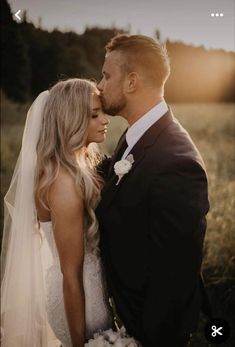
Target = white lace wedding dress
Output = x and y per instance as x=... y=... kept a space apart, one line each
x=97 y=310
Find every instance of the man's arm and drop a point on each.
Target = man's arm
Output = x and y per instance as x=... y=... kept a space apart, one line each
x=178 y=204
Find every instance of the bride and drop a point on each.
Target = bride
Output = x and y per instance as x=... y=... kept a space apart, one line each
x=52 y=276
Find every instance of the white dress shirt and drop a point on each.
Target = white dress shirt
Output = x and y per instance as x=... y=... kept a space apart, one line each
x=137 y=130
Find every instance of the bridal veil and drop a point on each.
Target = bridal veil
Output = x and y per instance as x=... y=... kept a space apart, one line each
x=23 y=307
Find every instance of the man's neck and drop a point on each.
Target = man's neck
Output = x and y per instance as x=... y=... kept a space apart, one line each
x=139 y=109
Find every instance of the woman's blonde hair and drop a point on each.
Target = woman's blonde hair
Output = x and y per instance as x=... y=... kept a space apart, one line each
x=62 y=143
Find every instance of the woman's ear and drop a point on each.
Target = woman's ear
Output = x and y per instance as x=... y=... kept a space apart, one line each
x=132 y=82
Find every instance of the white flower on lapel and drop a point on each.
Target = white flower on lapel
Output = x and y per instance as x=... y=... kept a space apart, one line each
x=122 y=167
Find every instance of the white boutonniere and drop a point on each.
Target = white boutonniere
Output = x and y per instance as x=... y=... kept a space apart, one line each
x=122 y=167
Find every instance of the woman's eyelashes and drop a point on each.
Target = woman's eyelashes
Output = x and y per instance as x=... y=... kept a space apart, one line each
x=94 y=115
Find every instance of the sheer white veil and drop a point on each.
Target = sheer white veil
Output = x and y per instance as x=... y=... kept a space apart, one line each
x=23 y=306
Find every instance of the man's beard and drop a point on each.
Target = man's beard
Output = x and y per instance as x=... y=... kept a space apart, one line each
x=115 y=108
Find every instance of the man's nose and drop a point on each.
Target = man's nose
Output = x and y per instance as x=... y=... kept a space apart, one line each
x=100 y=85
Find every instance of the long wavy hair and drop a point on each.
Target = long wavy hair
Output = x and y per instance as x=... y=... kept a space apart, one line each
x=62 y=143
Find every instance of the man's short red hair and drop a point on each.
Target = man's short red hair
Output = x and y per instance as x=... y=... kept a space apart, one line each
x=145 y=53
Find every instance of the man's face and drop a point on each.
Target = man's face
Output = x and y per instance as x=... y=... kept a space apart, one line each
x=112 y=84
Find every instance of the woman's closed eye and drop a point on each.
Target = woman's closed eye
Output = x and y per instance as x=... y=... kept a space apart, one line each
x=94 y=116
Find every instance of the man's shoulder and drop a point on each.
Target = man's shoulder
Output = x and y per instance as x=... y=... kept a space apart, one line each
x=173 y=147
x=176 y=139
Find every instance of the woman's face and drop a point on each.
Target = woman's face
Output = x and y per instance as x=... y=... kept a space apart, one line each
x=97 y=127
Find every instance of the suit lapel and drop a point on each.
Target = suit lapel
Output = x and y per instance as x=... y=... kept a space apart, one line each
x=138 y=152
x=121 y=143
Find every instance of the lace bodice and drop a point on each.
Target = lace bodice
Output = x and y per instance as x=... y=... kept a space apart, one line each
x=97 y=311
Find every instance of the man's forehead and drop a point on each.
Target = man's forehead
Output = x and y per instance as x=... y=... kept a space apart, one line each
x=113 y=58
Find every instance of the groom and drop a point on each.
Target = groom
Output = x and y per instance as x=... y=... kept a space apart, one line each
x=153 y=220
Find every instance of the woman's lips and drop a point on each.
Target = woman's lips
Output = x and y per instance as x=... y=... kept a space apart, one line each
x=104 y=131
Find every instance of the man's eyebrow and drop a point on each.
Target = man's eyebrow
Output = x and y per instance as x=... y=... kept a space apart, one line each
x=96 y=109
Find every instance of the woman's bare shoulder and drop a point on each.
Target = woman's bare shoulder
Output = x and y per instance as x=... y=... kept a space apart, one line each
x=63 y=177
x=64 y=191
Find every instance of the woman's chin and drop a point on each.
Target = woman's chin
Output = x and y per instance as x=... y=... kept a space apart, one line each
x=102 y=138
x=98 y=140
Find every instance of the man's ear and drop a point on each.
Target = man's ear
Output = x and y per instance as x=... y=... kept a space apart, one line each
x=132 y=82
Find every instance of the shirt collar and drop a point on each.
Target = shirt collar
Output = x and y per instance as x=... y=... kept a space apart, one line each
x=135 y=132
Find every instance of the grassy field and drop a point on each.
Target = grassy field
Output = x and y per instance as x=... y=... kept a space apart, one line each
x=212 y=127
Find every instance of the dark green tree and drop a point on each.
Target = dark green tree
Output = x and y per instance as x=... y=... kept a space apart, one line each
x=15 y=65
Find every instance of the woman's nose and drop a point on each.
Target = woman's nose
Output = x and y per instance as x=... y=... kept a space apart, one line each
x=105 y=120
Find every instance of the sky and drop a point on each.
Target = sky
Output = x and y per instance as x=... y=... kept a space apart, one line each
x=189 y=21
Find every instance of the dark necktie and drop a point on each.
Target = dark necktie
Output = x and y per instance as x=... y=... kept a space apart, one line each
x=120 y=149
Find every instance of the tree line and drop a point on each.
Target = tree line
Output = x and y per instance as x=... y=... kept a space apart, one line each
x=33 y=59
